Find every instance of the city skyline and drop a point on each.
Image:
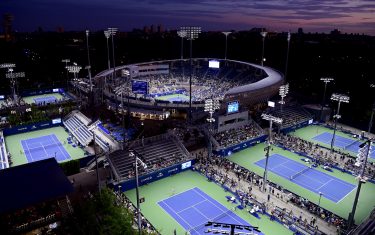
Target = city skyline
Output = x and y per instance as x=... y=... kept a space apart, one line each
x=275 y=15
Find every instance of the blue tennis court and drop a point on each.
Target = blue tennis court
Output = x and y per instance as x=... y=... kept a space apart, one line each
x=45 y=100
x=193 y=208
x=341 y=142
x=43 y=147
x=316 y=181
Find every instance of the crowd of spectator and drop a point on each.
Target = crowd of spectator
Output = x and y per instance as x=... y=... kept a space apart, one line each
x=229 y=174
x=122 y=200
x=235 y=136
x=322 y=155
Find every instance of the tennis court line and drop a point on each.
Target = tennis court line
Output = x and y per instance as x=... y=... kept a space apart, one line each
x=228 y=210
x=175 y=194
x=28 y=149
x=53 y=137
x=347 y=194
x=329 y=181
x=192 y=206
x=191 y=227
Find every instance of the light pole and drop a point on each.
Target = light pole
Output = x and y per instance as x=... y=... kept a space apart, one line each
x=372 y=112
x=112 y=32
x=107 y=34
x=287 y=56
x=210 y=105
x=264 y=34
x=320 y=197
x=192 y=33
x=13 y=81
x=120 y=91
x=339 y=98
x=182 y=34
x=326 y=81
x=66 y=61
x=92 y=129
x=283 y=91
x=226 y=43
x=271 y=119
x=88 y=58
x=137 y=160
x=361 y=161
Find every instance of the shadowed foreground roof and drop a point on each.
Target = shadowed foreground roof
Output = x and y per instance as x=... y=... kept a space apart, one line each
x=32 y=183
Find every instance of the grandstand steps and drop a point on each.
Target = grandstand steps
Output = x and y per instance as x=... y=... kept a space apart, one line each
x=65 y=207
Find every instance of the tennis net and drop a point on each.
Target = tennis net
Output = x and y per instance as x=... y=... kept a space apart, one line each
x=351 y=144
x=215 y=219
x=299 y=173
x=44 y=147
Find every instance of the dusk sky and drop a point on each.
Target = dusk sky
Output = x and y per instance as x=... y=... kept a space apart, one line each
x=352 y=16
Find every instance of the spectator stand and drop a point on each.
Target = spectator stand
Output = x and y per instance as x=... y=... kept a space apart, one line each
x=4 y=158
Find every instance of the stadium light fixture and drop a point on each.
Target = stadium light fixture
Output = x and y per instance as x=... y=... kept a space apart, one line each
x=264 y=34
x=372 y=111
x=226 y=43
x=107 y=34
x=340 y=98
x=182 y=34
x=210 y=106
x=283 y=91
x=137 y=161
x=7 y=65
x=74 y=69
x=287 y=56
x=112 y=32
x=326 y=81
x=66 y=61
x=192 y=32
x=13 y=81
x=88 y=58
x=271 y=119
x=362 y=157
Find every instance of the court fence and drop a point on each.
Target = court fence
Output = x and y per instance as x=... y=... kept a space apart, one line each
x=238 y=147
x=30 y=127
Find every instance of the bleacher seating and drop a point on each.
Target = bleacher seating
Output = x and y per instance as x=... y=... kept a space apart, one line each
x=78 y=130
x=235 y=136
x=156 y=153
x=4 y=161
x=291 y=115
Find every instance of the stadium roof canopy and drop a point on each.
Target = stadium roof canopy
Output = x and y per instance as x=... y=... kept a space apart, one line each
x=32 y=183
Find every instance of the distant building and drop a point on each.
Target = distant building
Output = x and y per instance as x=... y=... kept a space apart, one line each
x=335 y=32
x=300 y=31
x=7 y=25
x=160 y=28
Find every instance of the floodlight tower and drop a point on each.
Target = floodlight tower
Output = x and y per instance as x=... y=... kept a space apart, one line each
x=226 y=43
x=88 y=67
x=112 y=32
x=361 y=161
x=107 y=34
x=92 y=129
x=192 y=33
x=287 y=55
x=283 y=91
x=339 y=98
x=326 y=81
x=13 y=82
x=264 y=34
x=182 y=34
x=66 y=61
x=372 y=112
x=74 y=69
x=137 y=161
x=121 y=91
x=210 y=106
x=271 y=119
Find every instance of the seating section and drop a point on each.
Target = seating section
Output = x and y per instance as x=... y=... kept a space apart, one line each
x=291 y=115
x=78 y=130
x=236 y=136
x=4 y=161
x=156 y=154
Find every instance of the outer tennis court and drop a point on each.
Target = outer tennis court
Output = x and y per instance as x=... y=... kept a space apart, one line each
x=316 y=181
x=341 y=142
x=193 y=208
x=43 y=147
x=43 y=99
x=174 y=97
